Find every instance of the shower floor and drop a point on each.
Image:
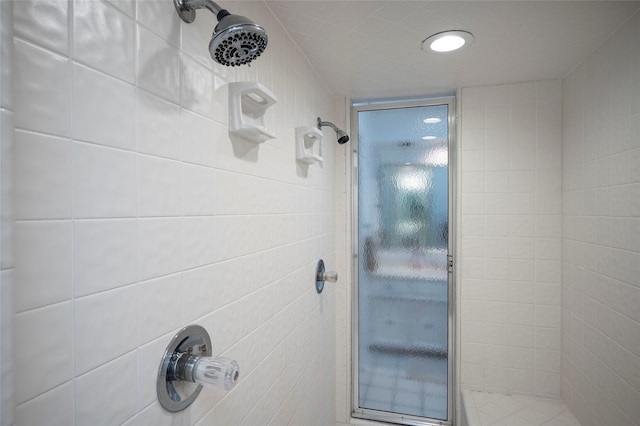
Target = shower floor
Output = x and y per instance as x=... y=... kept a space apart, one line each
x=494 y=409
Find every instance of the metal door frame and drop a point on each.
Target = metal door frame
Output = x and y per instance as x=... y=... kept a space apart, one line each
x=383 y=416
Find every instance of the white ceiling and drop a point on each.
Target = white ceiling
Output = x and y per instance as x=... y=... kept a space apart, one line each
x=372 y=49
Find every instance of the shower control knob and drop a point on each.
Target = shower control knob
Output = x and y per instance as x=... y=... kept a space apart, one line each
x=330 y=276
x=322 y=275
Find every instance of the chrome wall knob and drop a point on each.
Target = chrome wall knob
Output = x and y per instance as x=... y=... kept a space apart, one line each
x=322 y=276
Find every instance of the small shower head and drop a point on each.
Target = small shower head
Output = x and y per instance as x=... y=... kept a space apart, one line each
x=236 y=40
x=340 y=134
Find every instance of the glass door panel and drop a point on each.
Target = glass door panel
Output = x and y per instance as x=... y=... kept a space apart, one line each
x=403 y=316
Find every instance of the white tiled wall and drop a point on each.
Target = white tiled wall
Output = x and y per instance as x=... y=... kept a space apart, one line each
x=601 y=234
x=7 y=271
x=137 y=214
x=510 y=237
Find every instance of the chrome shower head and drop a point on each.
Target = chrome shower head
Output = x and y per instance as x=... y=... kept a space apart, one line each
x=340 y=134
x=236 y=40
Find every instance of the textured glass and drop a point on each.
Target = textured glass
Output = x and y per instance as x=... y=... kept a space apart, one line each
x=403 y=238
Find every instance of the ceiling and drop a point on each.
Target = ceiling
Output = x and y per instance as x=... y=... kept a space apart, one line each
x=372 y=49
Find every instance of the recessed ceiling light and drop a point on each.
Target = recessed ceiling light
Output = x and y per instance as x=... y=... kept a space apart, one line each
x=432 y=120
x=447 y=41
x=429 y=138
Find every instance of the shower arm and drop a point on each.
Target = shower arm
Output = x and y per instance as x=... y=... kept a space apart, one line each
x=326 y=123
x=192 y=5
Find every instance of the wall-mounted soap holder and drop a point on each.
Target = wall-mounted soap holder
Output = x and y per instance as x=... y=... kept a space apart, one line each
x=322 y=276
x=248 y=102
x=308 y=145
x=187 y=366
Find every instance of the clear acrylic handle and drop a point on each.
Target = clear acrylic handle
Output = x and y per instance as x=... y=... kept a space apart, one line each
x=216 y=372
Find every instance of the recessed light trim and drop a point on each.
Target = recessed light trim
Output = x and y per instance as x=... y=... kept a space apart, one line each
x=432 y=120
x=447 y=41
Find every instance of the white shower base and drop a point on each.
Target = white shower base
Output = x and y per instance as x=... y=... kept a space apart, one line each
x=494 y=409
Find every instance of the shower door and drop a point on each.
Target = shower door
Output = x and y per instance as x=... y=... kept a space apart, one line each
x=403 y=316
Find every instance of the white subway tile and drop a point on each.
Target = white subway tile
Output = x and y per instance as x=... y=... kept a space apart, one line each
x=104 y=182
x=158 y=126
x=522 y=336
x=496 y=225
x=199 y=139
x=497 y=160
x=35 y=69
x=549 y=114
x=159 y=304
x=104 y=255
x=474 y=97
x=113 y=313
x=523 y=115
x=39 y=410
x=523 y=225
x=497 y=247
x=43 y=255
x=109 y=121
x=497 y=203
x=197 y=87
x=158 y=68
x=497 y=182
x=524 y=203
x=522 y=292
x=497 y=95
x=548 y=91
x=521 y=314
x=160 y=17
x=100 y=24
x=523 y=93
x=126 y=6
x=496 y=115
x=498 y=138
x=43 y=187
x=159 y=246
x=116 y=382
x=523 y=159
x=548 y=338
x=202 y=241
x=198 y=194
x=472 y=142
x=522 y=181
x=53 y=31
x=45 y=346
x=159 y=186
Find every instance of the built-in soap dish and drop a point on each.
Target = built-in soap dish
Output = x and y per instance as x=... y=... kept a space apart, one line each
x=248 y=102
x=308 y=147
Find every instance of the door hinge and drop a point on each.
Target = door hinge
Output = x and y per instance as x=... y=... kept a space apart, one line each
x=450 y=263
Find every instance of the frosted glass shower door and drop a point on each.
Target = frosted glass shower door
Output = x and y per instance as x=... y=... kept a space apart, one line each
x=403 y=322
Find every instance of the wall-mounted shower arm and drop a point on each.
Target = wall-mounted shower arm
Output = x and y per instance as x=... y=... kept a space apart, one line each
x=340 y=134
x=192 y=5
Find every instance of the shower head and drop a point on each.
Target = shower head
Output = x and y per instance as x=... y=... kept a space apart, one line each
x=340 y=134
x=236 y=40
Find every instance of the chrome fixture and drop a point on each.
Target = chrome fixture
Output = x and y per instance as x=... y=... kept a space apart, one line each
x=236 y=40
x=322 y=276
x=187 y=366
x=341 y=134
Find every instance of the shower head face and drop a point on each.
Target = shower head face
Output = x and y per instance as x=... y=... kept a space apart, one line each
x=237 y=40
x=342 y=137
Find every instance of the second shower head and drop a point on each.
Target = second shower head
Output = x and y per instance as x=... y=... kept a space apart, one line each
x=236 y=40
x=340 y=134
